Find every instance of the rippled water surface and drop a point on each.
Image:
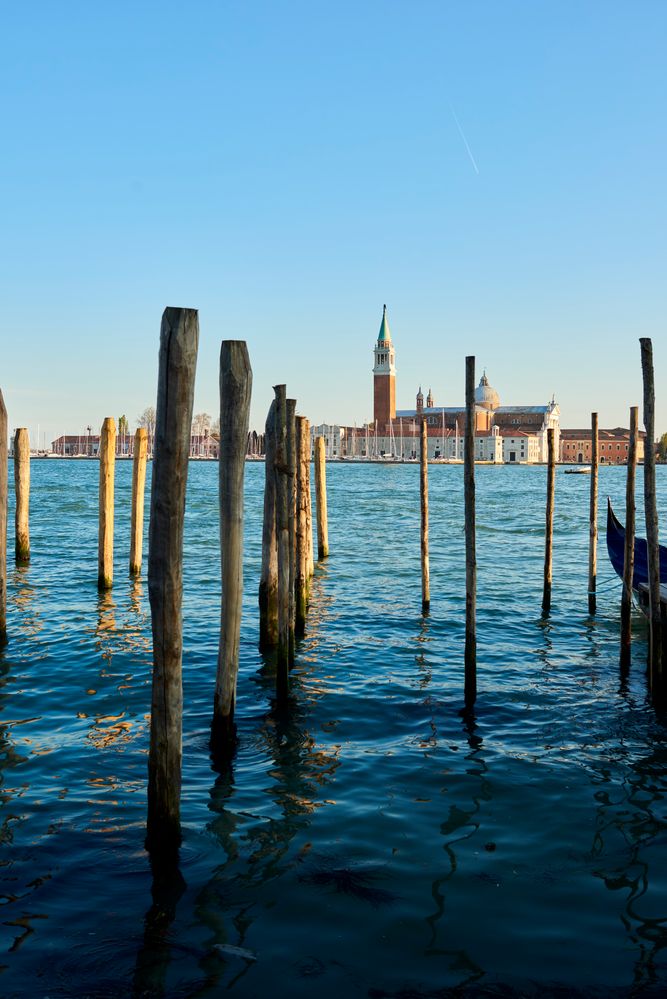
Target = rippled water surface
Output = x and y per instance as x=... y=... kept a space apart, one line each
x=375 y=842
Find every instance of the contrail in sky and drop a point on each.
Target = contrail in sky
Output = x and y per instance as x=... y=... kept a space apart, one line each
x=458 y=125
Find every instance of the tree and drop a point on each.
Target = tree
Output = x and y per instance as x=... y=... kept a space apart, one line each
x=200 y=423
x=147 y=419
x=123 y=425
x=662 y=448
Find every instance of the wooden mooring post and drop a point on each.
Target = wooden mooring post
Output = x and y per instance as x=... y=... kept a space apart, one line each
x=310 y=548
x=235 y=392
x=629 y=552
x=549 y=527
x=423 y=483
x=268 y=583
x=4 y=484
x=105 y=536
x=22 y=488
x=321 y=499
x=138 y=491
x=470 y=682
x=281 y=471
x=291 y=514
x=302 y=497
x=593 y=518
x=651 y=513
x=179 y=339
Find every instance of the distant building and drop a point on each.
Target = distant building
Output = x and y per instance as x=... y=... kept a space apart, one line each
x=205 y=445
x=333 y=435
x=521 y=432
x=384 y=375
x=613 y=446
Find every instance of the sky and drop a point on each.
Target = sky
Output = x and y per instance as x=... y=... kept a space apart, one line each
x=492 y=171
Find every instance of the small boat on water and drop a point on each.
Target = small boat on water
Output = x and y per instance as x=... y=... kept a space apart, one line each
x=616 y=550
x=578 y=470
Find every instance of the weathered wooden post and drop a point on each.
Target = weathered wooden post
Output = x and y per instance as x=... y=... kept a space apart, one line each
x=651 y=514
x=321 y=498
x=470 y=691
x=138 y=489
x=281 y=470
x=423 y=481
x=179 y=338
x=235 y=391
x=291 y=501
x=629 y=552
x=268 y=582
x=302 y=495
x=310 y=554
x=105 y=537
x=593 y=518
x=22 y=487
x=4 y=485
x=549 y=532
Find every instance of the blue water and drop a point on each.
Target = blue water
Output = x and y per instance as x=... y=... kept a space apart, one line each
x=375 y=843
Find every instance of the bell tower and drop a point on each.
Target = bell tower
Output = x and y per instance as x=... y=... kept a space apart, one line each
x=384 y=376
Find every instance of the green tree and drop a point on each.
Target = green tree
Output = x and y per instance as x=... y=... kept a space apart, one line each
x=123 y=425
x=662 y=448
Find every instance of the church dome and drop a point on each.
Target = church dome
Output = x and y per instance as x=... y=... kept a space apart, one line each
x=485 y=395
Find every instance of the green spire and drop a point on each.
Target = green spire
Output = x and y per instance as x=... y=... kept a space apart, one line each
x=384 y=333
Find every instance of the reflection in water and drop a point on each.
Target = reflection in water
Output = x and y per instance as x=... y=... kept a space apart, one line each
x=545 y=652
x=257 y=845
x=425 y=668
x=630 y=832
x=21 y=595
x=106 y=625
x=460 y=825
x=137 y=596
x=155 y=954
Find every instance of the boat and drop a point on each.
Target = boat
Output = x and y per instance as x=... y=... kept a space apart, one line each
x=579 y=470
x=616 y=550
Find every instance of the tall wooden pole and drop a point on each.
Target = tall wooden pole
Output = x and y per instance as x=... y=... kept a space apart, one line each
x=22 y=486
x=629 y=553
x=281 y=471
x=593 y=518
x=651 y=514
x=235 y=391
x=268 y=583
x=291 y=501
x=302 y=494
x=179 y=339
x=4 y=484
x=310 y=556
x=470 y=690
x=321 y=499
x=105 y=537
x=138 y=490
x=549 y=531
x=423 y=481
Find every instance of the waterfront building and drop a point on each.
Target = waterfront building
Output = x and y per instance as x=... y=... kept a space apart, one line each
x=502 y=433
x=334 y=437
x=204 y=445
x=613 y=446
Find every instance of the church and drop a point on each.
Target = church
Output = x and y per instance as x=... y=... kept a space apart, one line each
x=512 y=434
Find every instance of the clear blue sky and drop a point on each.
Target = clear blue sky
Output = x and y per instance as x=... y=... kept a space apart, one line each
x=493 y=171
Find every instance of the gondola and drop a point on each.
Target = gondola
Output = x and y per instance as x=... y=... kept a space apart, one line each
x=616 y=550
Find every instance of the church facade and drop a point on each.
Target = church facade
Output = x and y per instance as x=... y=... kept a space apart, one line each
x=512 y=434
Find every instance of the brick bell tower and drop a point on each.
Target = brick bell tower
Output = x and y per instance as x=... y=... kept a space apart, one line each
x=384 y=376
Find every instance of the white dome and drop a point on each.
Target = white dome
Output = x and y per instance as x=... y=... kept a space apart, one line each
x=485 y=395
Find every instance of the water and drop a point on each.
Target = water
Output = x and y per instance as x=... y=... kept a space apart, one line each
x=375 y=843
